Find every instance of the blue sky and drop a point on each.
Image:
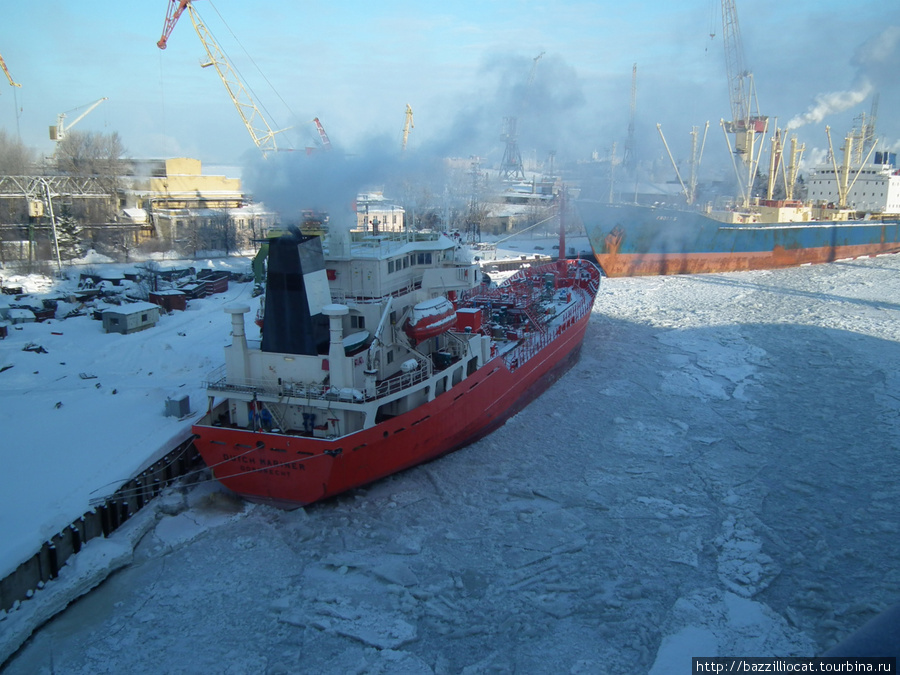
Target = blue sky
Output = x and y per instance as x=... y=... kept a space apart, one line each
x=462 y=66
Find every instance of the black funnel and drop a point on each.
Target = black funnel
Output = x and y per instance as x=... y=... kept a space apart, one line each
x=289 y=325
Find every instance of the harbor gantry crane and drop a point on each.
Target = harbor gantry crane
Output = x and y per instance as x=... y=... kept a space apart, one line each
x=59 y=130
x=260 y=131
x=628 y=159
x=8 y=76
x=407 y=125
x=511 y=165
x=746 y=120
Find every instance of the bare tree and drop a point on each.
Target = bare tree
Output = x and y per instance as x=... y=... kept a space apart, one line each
x=98 y=155
x=15 y=158
x=85 y=153
x=149 y=280
x=223 y=231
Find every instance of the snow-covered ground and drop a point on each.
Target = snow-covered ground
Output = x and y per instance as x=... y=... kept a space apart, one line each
x=85 y=411
x=717 y=476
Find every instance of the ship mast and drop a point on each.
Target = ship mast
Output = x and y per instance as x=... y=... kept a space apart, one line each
x=689 y=190
x=842 y=177
x=793 y=168
x=562 y=225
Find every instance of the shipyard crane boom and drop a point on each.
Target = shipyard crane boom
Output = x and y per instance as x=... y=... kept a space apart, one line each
x=262 y=134
x=60 y=129
x=534 y=68
x=866 y=134
x=869 y=139
x=326 y=142
x=741 y=90
x=407 y=125
x=8 y=76
x=734 y=63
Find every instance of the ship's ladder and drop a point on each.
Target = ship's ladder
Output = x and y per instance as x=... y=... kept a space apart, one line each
x=277 y=417
x=536 y=320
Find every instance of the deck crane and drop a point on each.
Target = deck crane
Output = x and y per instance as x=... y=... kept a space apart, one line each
x=262 y=134
x=59 y=130
x=407 y=125
x=8 y=76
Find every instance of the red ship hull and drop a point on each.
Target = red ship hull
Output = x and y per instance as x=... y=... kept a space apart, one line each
x=646 y=264
x=292 y=471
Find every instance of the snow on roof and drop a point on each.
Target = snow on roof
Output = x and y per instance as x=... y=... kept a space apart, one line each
x=132 y=308
x=135 y=214
x=19 y=313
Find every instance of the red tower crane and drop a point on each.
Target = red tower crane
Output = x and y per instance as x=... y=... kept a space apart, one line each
x=326 y=142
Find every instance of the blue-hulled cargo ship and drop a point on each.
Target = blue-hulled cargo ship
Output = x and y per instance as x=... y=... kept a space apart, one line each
x=634 y=240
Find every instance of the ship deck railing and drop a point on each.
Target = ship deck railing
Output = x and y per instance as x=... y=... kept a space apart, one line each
x=534 y=341
x=581 y=276
x=345 y=297
x=217 y=381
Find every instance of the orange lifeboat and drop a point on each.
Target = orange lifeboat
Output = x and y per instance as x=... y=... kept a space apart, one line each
x=430 y=318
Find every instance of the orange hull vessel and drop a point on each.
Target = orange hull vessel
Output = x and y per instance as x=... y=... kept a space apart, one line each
x=291 y=425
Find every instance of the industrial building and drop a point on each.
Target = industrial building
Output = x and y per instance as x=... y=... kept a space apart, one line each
x=175 y=203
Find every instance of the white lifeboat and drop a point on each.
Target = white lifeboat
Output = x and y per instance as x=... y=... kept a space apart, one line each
x=430 y=318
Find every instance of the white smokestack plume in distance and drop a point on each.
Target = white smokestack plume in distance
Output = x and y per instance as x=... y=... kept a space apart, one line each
x=829 y=104
x=874 y=61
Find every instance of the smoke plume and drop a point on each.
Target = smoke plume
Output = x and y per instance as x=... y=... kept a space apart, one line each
x=875 y=61
x=829 y=104
x=544 y=98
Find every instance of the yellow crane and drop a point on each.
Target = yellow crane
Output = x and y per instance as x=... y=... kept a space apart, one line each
x=8 y=76
x=407 y=125
x=260 y=131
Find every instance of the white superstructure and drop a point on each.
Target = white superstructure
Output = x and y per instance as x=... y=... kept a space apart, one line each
x=873 y=187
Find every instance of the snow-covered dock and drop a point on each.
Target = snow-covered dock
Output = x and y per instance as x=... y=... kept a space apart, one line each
x=85 y=411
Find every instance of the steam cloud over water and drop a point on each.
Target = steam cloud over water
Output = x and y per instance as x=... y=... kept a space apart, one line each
x=548 y=99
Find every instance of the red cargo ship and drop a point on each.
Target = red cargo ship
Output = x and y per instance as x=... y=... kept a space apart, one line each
x=343 y=390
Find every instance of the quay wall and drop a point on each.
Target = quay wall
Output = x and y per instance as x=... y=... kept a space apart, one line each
x=100 y=521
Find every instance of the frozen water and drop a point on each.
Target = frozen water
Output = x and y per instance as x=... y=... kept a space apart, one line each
x=717 y=476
